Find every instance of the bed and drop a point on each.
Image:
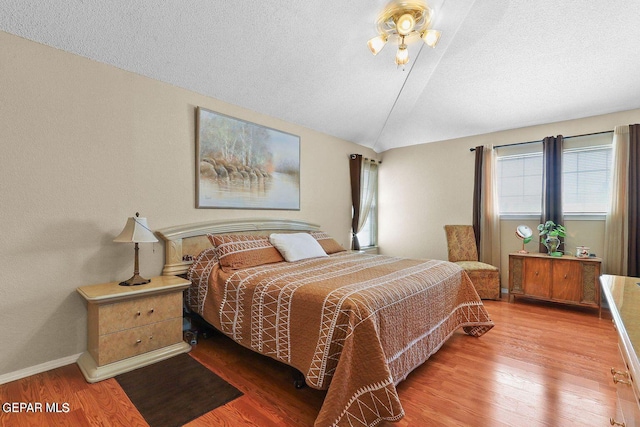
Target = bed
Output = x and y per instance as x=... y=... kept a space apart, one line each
x=354 y=324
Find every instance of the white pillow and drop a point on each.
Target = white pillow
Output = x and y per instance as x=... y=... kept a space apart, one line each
x=297 y=246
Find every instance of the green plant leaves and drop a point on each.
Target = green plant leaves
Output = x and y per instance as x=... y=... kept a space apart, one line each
x=550 y=228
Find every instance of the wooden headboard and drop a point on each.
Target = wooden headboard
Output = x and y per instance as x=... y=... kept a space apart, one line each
x=185 y=242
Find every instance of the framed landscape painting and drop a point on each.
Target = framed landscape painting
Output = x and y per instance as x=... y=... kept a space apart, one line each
x=242 y=165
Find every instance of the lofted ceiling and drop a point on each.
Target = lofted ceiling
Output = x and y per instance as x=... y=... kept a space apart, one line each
x=499 y=64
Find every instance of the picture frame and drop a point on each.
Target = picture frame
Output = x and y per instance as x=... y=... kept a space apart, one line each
x=244 y=165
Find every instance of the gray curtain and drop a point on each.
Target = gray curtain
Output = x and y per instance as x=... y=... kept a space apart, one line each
x=477 y=195
x=551 y=182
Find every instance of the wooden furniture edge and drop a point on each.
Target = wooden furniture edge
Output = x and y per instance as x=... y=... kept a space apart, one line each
x=93 y=373
x=624 y=340
x=174 y=236
x=547 y=256
x=126 y=292
x=606 y=281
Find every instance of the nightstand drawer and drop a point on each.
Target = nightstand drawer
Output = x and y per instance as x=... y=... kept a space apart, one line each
x=138 y=312
x=131 y=342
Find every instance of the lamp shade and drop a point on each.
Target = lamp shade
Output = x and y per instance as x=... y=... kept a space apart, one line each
x=136 y=230
x=402 y=56
x=376 y=44
x=431 y=37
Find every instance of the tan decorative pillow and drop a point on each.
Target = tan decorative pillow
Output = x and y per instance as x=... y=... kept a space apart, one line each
x=236 y=251
x=329 y=245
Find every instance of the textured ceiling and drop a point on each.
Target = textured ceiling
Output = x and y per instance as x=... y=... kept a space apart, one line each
x=499 y=64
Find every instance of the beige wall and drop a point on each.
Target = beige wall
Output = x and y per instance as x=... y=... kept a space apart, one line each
x=426 y=186
x=86 y=145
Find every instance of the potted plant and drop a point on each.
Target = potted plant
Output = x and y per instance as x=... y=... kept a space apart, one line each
x=550 y=234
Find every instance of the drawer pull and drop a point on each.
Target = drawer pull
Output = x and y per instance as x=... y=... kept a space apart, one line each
x=151 y=337
x=152 y=310
x=614 y=372
x=138 y=341
x=615 y=423
x=617 y=380
x=138 y=313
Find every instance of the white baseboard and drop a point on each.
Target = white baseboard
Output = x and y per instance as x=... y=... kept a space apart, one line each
x=43 y=367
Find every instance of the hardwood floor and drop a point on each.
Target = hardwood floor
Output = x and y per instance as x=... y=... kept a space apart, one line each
x=542 y=365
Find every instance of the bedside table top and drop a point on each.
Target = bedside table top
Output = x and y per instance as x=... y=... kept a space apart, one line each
x=109 y=292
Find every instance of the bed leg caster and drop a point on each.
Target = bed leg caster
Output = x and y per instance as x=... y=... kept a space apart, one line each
x=191 y=337
x=298 y=380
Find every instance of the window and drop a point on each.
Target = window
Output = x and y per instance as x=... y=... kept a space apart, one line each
x=586 y=174
x=520 y=184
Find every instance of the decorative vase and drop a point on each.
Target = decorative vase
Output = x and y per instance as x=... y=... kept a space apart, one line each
x=552 y=243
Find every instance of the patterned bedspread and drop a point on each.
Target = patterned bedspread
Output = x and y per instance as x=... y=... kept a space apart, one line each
x=355 y=324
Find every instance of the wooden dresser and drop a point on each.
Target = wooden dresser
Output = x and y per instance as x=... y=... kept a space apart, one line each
x=132 y=326
x=623 y=297
x=565 y=279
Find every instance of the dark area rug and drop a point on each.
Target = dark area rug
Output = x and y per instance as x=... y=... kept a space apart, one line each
x=175 y=391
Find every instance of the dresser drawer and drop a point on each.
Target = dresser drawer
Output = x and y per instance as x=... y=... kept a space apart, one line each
x=138 y=312
x=131 y=342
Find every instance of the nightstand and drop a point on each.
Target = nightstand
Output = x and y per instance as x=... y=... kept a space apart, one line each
x=132 y=326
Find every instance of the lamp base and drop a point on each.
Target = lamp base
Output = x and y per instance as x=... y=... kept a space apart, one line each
x=135 y=280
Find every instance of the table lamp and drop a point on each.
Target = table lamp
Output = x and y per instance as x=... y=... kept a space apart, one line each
x=135 y=231
x=524 y=233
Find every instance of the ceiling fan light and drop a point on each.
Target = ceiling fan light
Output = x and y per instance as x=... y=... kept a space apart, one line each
x=405 y=24
x=402 y=56
x=404 y=21
x=376 y=44
x=431 y=37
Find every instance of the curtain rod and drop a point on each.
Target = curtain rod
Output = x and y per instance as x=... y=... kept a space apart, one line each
x=353 y=156
x=533 y=142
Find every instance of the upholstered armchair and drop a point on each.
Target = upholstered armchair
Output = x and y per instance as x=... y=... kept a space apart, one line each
x=461 y=245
